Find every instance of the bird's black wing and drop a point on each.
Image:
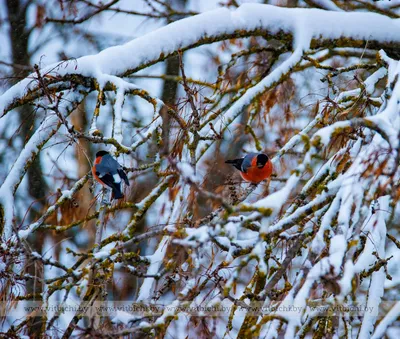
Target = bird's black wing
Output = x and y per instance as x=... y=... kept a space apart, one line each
x=108 y=179
x=122 y=174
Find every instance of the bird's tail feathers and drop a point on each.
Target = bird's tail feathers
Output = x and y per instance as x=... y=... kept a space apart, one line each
x=123 y=176
x=231 y=161
x=116 y=192
x=237 y=163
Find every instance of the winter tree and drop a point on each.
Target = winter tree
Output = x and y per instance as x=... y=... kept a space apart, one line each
x=192 y=249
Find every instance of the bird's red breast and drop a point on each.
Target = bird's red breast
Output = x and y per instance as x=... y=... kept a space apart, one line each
x=254 y=174
x=97 y=161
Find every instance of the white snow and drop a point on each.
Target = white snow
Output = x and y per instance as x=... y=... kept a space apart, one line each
x=122 y=317
x=156 y=260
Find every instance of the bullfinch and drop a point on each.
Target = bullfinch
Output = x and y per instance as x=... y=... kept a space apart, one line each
x=108 y=172
x=254 y=167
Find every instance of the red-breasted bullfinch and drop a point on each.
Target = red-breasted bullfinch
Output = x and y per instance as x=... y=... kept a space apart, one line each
x=108 y=172
x=254 y=167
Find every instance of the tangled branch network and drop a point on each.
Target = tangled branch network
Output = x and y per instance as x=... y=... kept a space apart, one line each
x=320 y=235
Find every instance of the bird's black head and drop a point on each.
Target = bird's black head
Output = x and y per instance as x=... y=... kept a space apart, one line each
x=101 y=153
x=262 y=159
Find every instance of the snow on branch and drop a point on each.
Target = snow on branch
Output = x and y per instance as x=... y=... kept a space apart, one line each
x=8 y=188
x=319 y=26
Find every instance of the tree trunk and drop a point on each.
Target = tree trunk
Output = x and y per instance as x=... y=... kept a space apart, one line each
x=19 y=35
